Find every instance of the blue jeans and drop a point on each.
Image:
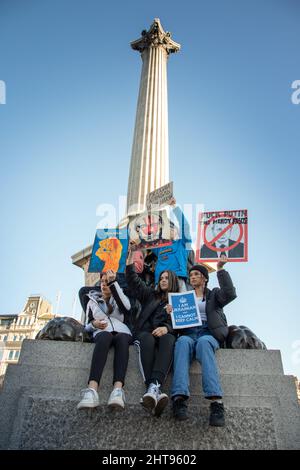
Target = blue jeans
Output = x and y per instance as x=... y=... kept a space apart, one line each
x=201 y=345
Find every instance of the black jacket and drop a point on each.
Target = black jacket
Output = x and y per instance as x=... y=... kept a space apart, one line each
x=152 y=314
x=216 y=299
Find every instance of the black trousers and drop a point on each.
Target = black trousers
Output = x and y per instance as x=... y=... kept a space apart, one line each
x=156 y=355
x=104 y=341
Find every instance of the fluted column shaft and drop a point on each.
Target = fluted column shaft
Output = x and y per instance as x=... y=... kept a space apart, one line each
x=149 y=168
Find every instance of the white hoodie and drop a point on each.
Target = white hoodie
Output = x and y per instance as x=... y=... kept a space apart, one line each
x=99 y=309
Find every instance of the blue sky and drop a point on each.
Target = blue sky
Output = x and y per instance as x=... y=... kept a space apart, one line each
x=67 y=126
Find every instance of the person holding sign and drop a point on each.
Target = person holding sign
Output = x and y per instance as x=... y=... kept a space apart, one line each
x=201 y=342
x=153 y=333
x=185 y=310
x=175 y=256
x=222 y=230
x=108 y=312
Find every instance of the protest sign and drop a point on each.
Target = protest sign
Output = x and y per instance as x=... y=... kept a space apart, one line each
x=160 y=196
x=109 y=250
x=150 y=230
x=185 y=312
x=222 y=233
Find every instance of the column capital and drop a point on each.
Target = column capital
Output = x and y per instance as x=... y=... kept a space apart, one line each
x=155 y=37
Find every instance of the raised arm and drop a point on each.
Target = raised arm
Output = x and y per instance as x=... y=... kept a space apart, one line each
x=227 y=291
x=184 y=228
x=121 y=299
x=139 y=288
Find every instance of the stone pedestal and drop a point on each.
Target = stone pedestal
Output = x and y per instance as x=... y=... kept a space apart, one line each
x=40 y=394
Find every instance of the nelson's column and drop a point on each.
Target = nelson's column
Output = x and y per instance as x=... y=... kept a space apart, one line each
x=149 y=167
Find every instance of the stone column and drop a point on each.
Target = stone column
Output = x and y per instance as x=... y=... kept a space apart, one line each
x=149 y=167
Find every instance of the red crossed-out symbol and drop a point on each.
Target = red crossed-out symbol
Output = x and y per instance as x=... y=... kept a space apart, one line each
x=228 y=227
x=150 y=226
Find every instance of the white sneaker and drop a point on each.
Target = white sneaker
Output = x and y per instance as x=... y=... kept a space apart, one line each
x=149 y=399
x=90 y=399
x=116 y=400
x=162 y=401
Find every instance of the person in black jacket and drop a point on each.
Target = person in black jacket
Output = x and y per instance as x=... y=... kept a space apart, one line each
x=201 y=342
x=153 y=333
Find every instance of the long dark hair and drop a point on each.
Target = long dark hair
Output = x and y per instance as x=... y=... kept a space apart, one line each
x=109 y=306
x=204 y=291
x=172 y=287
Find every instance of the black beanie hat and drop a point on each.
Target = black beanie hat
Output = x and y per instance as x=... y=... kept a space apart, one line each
x=201 y=268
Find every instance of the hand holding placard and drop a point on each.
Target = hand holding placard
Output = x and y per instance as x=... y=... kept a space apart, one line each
x=185 y=312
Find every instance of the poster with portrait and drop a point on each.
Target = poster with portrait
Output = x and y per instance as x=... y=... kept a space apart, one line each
x=109 y=250
x=222 y=233
x=185 y=312
x=150 y=230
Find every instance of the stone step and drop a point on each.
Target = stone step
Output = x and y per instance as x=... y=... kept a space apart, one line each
x=75 y=378
x=230 y=361
x=53 y=424
x=276 y=411
x=40 y=393
x=245 y=416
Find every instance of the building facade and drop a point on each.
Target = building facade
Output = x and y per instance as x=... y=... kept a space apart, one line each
x=15 y=328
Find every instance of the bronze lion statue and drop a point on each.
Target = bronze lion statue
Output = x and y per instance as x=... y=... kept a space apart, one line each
x=241 y=337
x=64 y=329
